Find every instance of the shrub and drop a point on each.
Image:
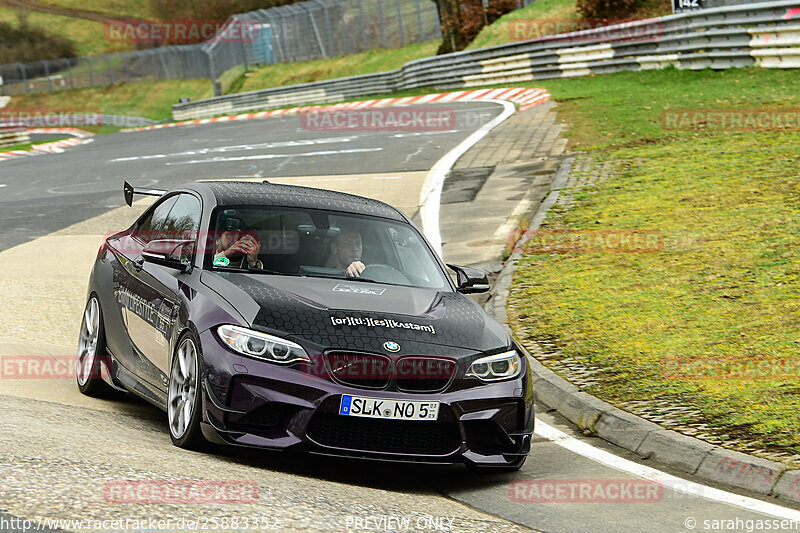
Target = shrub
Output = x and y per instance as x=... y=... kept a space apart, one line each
x=462 y=20
x=28 y=43
x=607 y=9
x=208 y=9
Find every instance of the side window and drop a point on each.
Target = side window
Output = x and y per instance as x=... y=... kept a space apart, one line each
x=153 y=223
x=183 y=222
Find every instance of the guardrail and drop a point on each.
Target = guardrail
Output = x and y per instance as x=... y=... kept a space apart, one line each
x=764 y=34
x=13 y=137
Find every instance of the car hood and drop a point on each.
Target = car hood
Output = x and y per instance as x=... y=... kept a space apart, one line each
x=343 y=314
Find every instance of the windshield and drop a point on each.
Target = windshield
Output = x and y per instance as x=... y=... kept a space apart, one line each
x=315 y=243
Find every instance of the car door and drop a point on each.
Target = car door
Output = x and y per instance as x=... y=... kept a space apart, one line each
x=127 y=248
x=154 y=291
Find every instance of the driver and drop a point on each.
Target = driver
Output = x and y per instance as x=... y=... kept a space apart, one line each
x=346 y=253
x=239 y=247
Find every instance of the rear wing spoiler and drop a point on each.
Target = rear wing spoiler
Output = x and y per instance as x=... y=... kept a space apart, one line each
x=129 y=190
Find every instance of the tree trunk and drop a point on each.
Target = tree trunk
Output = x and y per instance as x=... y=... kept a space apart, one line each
x=450 y=20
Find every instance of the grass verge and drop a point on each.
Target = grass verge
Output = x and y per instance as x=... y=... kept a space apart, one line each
x=23 y=146
x=154 y=99
x=709 y=320
x=325 y=69
x=89 y=36
x=548 y=17
x=149 y=99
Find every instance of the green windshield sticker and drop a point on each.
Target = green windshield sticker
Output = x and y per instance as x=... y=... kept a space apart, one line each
x=222 y=262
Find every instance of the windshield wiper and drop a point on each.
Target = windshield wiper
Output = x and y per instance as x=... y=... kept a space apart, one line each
x=364 y=280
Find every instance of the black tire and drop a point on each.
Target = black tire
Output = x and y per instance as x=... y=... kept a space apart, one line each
x=192 y=436
x=88 y=375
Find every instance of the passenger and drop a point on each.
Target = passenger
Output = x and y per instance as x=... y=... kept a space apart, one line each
x=237 y=246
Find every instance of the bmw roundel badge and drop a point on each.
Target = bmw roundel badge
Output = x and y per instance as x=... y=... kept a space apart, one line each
x=390 y=346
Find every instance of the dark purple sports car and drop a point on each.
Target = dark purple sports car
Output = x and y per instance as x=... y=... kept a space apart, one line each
x=286 y=317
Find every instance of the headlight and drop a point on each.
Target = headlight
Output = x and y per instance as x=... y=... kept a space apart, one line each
x=260 y=345
x=506 y=365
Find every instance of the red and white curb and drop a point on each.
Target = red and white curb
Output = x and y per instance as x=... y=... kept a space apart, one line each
x=75 y=132
x=525 y=97
x=55 y=147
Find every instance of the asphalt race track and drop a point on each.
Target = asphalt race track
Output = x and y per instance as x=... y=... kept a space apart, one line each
x=59 y=450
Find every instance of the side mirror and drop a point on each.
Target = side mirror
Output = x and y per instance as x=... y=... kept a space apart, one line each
x=470 y=280
x=167 y=252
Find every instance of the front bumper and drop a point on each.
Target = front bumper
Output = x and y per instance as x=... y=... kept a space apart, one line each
x=247 y=402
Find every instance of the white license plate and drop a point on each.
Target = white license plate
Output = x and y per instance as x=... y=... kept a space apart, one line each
x=389 y=409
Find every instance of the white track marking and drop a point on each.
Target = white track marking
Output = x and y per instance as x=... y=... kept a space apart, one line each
x=432 y=188
x=274 y=156
x=239 y=148
x=415 y=152
x=3 y=185
x=667 y=480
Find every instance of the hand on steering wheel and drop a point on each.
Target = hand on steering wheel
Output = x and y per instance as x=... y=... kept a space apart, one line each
x=355 y=269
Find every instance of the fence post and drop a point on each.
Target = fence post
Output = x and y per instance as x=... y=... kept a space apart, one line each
x=289 y=52
x=328 y=28
x=400 y=23
x=69 y=69
x=126 y=67
x=198 y=61
x=110 y=73
x=363 y=25
x=163 y=63
x=342 y=28
x=267 y=30
x=91 y=75
x=298 y=32
x=244 y=48
x=154 y=65
x=216 y=86
x=47 y=74
x=275 y=36
x=314 y=27
x=419 y=21
x=274 y=39
x=24 y=76
x=383 y=26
